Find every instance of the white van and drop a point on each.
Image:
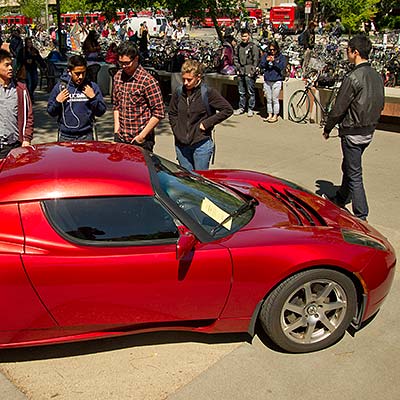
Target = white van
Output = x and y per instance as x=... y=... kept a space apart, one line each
x=153 y=24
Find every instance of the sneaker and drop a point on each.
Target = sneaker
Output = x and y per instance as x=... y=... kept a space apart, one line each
x=268 y=118
x=274 y=118
x=250 y=113
x=239 y=111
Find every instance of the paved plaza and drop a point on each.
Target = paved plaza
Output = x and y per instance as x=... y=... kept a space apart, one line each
x=186 y=366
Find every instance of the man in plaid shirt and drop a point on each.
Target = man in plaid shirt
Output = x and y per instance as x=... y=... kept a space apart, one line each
x=138 y=103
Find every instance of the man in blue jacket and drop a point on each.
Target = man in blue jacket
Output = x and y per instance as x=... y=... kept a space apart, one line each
x=76 y=101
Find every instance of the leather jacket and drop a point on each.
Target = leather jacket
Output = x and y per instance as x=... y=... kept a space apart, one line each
x=359 y=102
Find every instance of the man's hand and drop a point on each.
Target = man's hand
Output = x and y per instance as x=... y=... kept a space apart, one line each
x=63 y=95
x=26 y=143
x=88 y=92
x=139 y=139
x=325 y=134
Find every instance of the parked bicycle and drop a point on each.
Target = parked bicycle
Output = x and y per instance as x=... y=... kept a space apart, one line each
x=300 y=102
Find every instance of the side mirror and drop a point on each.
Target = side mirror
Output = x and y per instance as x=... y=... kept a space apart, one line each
x=185 y=243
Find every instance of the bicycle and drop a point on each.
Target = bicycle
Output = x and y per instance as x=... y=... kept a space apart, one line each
x=300 y=102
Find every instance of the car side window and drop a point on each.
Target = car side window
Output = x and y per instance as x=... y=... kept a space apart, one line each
x=112 y=220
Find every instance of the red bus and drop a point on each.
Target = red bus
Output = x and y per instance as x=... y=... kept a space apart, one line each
x=90 y=18
x=287 y=14
x=255 y=12
x=15 y=19
x=86 y=18
x=227 y=21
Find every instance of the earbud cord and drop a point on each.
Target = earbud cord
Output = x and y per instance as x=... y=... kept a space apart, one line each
x=72 y=110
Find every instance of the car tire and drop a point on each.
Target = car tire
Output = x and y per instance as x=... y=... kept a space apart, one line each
x=309 y=311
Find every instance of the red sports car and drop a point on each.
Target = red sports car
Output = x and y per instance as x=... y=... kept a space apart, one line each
x=102 y=239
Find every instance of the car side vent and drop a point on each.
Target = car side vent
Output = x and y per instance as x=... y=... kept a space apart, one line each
x=304 y=213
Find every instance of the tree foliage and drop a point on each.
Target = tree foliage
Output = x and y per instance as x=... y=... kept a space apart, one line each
x=74 y=6
x=351 y=12
x=385 y=17
x=32 y=8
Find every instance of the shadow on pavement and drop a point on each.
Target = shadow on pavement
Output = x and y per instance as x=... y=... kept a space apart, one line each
x=116 y=343
x=325 y=187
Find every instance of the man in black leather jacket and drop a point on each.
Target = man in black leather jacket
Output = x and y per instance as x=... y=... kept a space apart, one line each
x=357 y=109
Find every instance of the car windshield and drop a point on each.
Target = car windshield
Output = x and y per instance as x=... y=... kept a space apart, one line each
x=219 y=210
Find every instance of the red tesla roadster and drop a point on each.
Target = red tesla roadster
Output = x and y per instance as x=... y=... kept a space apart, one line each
x=102 y=239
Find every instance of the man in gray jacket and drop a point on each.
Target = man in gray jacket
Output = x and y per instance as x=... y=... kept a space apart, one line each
x=357 y=109
x=247 y=57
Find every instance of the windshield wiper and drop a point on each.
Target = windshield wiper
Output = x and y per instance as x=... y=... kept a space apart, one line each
x=242 y=209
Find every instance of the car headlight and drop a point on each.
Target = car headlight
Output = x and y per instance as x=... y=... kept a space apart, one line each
x=362 y=239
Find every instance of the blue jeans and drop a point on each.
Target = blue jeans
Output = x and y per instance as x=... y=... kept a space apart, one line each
x=196 y=156
x=246 y=83
x=352 y=182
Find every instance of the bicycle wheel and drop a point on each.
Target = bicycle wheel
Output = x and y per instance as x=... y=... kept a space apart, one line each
x=299 y=106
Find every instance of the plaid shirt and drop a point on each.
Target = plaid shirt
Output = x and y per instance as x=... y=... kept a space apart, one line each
x=137 y=98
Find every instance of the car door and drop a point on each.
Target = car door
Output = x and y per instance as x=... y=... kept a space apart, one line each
x=20 y=307
x=112 y=261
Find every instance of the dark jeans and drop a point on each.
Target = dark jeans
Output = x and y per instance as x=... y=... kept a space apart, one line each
x=147 y=145
x=32 y=79
x=352 y=187
x=65 y=137
x=246 y=83
x=6 y=148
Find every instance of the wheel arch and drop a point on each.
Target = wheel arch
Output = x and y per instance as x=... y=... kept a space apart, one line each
x=351 y=275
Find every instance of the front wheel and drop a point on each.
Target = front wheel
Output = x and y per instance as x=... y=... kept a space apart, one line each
x=299 y=106
x=309 y=311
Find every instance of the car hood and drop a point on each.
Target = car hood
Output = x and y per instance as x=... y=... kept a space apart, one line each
x=283 y=203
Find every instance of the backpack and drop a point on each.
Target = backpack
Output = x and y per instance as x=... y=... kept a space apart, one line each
x=204 y=96
x=218 y=59
x=301 y=39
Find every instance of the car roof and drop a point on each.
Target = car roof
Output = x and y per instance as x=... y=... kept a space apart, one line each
x=74 y=169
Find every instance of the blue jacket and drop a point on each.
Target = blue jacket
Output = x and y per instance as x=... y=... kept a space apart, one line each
x=76 y=115
x=273 y=71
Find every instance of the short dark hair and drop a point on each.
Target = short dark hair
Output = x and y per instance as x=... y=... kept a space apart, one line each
x=362 y=44
x=76 y=61
x=128 y=49
x=4 y=54
x=244 y=31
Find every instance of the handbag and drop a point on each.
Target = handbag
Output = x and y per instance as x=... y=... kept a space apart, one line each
x=21 y=73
